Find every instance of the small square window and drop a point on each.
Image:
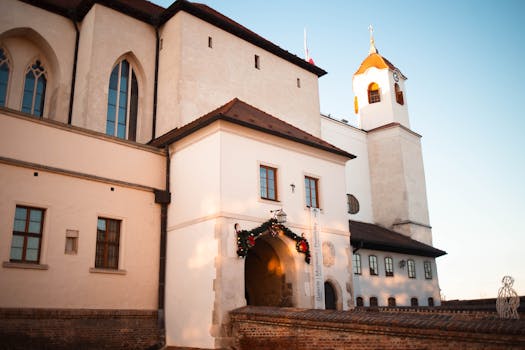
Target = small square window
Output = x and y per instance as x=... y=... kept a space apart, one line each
x=71 y=242
x=257 y=62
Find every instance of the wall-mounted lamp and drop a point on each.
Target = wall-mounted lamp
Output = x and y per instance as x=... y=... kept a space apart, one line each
x=293 y=187
x=237 y=227
x=402 y=264
x=279 y=215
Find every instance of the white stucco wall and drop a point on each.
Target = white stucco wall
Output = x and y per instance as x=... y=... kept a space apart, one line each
x=196 y=79
x=215 y=184
x=353 y=141
x=79 y=177
x=398 y=179
x=191 y=255
x=75 y=204
x=30 y=140
x=399 y=286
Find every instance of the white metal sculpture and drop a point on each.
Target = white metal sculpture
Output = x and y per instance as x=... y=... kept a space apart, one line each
x=508 y=300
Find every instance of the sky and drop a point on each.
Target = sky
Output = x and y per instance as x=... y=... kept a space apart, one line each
x=462 y=60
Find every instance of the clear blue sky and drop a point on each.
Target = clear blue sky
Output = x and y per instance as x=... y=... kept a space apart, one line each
x=464 y=63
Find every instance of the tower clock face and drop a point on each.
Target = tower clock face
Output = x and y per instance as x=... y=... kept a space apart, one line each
x=396 y=77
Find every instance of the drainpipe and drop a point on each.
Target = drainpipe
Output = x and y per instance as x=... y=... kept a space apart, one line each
x=74 y=74
x=155 y=83
x=163 y=198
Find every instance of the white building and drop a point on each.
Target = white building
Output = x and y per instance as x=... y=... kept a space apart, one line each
x=136 y=175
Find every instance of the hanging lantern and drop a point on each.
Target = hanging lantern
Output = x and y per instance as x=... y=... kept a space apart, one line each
x=280 y=215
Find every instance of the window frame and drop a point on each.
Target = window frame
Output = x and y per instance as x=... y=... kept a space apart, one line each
x=352 y=203
x=375 y=271
x=26 y=235
x=356 y=262
x=359 y=301
x=399 y=94
x=411 y=268
x=391 y=302
x=427 y=267
x=39 y=74
x=308 y=180
x=5 y=61
x=131 y=107
x=389 y=266
x=374 y=95
x=105 y=265
x=268 y=168
x=430 y=302
x=375 y=302
x=414 y=302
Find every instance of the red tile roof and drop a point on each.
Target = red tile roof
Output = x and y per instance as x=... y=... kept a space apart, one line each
x=241 y=113
x=156 y=15
x=375 y=237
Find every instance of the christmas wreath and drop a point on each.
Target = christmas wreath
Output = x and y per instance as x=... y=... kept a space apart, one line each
x=247 y=239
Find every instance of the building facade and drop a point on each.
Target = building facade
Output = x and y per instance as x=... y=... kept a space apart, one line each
x=135 y=175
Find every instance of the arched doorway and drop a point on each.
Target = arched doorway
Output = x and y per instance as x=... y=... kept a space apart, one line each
x=265 y=274
x=330 y=296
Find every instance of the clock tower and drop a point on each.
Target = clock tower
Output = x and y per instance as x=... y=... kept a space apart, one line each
x=397 y=176
x=380 y=94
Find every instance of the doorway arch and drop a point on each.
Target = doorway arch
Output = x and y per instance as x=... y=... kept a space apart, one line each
x=330 y=296
x=268 y=273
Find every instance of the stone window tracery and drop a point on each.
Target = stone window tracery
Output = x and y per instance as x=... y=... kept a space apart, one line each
x=34 y=89
x=4 y=77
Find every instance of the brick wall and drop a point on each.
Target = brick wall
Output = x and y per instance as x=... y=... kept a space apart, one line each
x=78 y=329
x=258 y=328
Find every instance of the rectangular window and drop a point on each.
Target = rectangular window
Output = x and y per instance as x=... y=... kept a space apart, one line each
x=372 y=260
x=268 y=181
x=357 y=264
x=411 y=266
x=257 y=62
x=312 y=192
x=27 y=235
x=428 y=270
x=210 y=42
x=389 y=267
x=108 y=240
x=298 y=82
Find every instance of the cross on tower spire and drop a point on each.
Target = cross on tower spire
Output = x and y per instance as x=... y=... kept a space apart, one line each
x=372 y=43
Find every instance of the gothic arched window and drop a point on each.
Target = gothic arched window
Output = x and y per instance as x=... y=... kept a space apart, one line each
x=399 y=94
x=34 y=90
x=4 y=77
x=373 y=93
x=123 y=96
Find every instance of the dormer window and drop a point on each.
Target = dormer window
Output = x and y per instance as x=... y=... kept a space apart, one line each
x=373 y=93
x=399 y=94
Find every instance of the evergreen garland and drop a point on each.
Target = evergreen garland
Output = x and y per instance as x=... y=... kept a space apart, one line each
x=246 y=239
